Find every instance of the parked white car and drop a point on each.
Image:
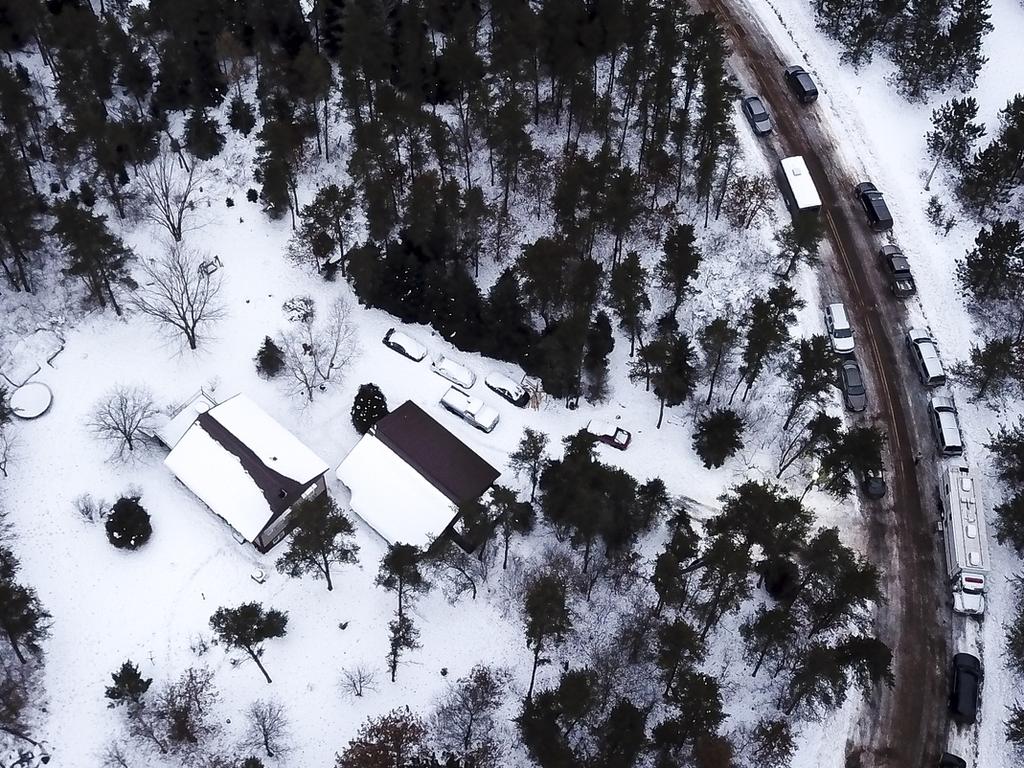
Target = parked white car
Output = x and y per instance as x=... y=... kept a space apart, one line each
x=404 y=345
x=470 y=409
x=507 y=388
x=840 y=332
x=455 y=372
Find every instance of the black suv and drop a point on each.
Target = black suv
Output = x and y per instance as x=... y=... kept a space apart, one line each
x=965 y=688
x=801 y=84
x=873 y=203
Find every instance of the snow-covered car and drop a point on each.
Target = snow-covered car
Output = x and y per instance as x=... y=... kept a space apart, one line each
x=470 y=409
x=455 y=372
x=507 y=388
x=404 y=345
x=609 y=434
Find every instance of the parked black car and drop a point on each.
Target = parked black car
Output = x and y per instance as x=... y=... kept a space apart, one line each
x=873 y=203
x=965 y=688
x=852 y=384
x=801 y=84
x=872 y=482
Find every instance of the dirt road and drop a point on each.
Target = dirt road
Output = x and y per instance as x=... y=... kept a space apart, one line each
x=905 y=726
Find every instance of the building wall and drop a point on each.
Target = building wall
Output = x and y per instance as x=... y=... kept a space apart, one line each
x=284 y=523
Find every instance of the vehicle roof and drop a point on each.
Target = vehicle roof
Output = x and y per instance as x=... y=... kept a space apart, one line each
x=406 y=340
x=800 y=182
x=839 y=318
x=899 y=263
x=965 y=516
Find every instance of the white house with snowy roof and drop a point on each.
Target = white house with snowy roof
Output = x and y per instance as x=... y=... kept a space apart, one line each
x=409 y=477
x=246 y=467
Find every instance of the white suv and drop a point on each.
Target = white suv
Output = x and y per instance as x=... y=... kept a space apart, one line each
x=945 y=426
x=840 y=332
x=470 y=409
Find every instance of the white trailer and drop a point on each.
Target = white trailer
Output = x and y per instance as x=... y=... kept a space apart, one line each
x=798 y=186
x=967 y=557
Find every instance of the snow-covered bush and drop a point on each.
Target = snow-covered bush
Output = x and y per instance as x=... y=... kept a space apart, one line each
x=269 y=358
x=128 y=525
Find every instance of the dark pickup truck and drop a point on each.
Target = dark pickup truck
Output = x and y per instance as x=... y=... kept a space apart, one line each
x=897 y=269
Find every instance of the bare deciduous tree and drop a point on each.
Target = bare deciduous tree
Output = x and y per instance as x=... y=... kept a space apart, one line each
x=170 y=194
x=266 y=729
x=749 y=200
x=463 y=722
x=184 y=710
x=114 y=756
x=178 y=290
x=121 y=417
x=8 y=448
x=314 y=352
x=358 y=680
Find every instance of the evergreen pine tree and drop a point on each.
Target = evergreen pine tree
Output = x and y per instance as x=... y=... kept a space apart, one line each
x=95 y=254
x=954 y=133
x=629 y=296
x=23 y=620
x=203 y=137
x=679 y=263
x=269 y=358
x=719 y=435
x=129 y=685
x=717 y=340
x=666 y=362
x=323 y=537
x=369 y=407
x=547 y=617
x=811 y=371
x=241 y=116
x=128 y=525
x=247 y=627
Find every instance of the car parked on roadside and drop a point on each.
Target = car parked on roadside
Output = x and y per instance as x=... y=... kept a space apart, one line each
x=951 y=761
x=507 y=388
x=851 y=381
x=945 y=426
x=609 y=434
x=925 y=356
x=965 y=688
x=897 y=269
x=470 y=409
x=455 y=372
x=801 y=84
x=875 y=208
x=404 y=345
x=757 y=115
x=872 y=482
x=840 y=332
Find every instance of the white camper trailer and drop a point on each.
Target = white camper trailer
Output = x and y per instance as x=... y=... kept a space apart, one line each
x=798 y=186
x=967 y=558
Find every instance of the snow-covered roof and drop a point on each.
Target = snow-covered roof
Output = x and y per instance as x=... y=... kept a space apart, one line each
x=392 y=497
x=409 y=475
x=805 y=194
x=175 y=427
x=275 y=446
x=245 y=466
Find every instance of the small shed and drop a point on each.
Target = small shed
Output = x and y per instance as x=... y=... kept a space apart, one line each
x=409 y=476
x=246 y=467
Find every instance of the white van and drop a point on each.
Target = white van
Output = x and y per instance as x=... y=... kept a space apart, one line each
x=840 y=332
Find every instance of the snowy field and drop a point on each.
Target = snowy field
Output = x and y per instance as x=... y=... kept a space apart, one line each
x=153 y=606
x=883 y=136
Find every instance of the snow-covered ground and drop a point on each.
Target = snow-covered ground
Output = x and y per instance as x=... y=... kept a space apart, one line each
x=153 y=606
x=882 y=135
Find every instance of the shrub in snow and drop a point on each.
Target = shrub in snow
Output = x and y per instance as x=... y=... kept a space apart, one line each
x=129 y=685
x=87 y=194
x=269 y=359
x=252 y=195
x=128 y=524
x=252 y=762
x=229 y=202
x=91 y=510
x=719 y=435
x=369 y=407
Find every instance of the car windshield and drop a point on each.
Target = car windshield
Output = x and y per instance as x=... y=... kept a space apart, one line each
x=842 y=333
x=805 y=81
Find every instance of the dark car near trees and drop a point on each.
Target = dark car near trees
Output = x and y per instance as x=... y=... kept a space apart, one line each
x=801 y=84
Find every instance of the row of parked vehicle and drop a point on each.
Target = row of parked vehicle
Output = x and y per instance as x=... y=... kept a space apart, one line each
x=963 y=523
x=475 y=411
